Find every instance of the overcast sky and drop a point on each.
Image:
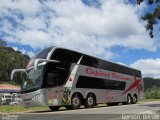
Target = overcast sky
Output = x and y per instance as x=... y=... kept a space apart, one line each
x=108 y=29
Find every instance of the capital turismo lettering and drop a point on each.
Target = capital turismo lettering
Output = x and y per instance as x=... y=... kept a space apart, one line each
x=114 y=75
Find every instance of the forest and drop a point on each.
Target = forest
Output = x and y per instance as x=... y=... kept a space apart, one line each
x=9 y=60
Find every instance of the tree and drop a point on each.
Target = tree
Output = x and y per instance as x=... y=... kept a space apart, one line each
x=9 y=60
x=152 y=93
x=2 y=43
x=152 y=17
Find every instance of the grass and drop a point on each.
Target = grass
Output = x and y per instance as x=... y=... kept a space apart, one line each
x=18 y=109
x=21 y=109
x=149 y=100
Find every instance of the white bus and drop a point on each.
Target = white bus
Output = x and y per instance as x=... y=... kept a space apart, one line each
x=61 y=77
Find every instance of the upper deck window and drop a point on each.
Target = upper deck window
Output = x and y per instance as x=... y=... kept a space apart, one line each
x=44 y=53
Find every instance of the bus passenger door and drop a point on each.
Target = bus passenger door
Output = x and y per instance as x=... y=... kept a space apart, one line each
x=52 y=89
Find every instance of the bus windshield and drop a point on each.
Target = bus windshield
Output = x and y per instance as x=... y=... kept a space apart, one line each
x=34 y=79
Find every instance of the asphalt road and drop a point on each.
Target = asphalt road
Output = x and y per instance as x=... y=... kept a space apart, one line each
x=140 y=111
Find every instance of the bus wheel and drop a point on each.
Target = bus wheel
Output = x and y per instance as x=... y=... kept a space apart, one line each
x=54 y=108
x=90 y=101
x=129 y=99
x=76 y=101
x=134 y=99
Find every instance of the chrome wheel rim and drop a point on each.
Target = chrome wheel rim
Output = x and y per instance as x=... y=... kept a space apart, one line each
x=75 y=101
x=129 y=99
x=134 y=99
x=90 y=100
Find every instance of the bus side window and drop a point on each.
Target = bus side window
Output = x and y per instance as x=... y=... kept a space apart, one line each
x=52 y=79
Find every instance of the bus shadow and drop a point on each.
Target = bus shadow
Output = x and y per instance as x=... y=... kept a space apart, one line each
x=62 y=109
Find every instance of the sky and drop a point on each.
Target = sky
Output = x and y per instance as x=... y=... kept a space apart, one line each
x=108 y=29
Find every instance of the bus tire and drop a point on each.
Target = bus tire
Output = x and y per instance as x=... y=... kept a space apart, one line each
x=134 y=99
x=90 y=101
x=129 y=99
x=76 y=101
x=54 y=108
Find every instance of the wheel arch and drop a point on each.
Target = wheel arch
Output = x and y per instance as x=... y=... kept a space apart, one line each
x=129 y=94
x=135 y=95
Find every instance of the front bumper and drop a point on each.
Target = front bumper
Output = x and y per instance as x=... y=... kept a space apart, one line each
x=36 y=98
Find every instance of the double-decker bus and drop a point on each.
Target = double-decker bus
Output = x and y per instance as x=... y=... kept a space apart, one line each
x=61 y=77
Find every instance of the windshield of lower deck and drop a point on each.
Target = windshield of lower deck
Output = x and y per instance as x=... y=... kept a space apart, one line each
x=34 y=79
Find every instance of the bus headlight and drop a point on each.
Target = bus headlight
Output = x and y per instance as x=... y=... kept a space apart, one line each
x=36 y=96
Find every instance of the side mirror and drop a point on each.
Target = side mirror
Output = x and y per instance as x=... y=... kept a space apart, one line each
x=43 y=60
x=16 y=70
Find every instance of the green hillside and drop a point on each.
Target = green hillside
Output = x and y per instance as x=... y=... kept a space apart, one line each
x=150 y=82
x=9 y=60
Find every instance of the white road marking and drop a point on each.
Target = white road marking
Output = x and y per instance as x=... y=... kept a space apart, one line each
x=147 y=112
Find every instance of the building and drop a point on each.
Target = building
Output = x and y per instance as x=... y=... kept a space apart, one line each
x=8 y=93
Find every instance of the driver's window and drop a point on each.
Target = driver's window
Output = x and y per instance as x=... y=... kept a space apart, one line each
x=52 y=79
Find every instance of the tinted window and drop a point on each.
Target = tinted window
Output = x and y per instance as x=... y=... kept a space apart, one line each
x=89 y=61
x=97 y=83
x=106 y=65
x=52 y=79
x=75 y=56
x=89 y=82
x=58 y=55
x=43 y=54
x=62 y=55
x=55 y=75
x=114 y=85
x=55 y=79
x=68 y=56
